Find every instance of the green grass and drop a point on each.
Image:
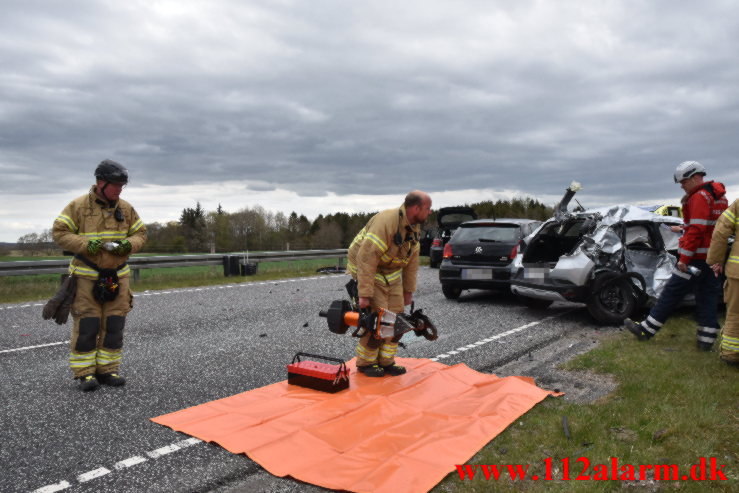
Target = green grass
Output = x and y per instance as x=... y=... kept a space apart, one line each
x=673 y=405
x=40 y=287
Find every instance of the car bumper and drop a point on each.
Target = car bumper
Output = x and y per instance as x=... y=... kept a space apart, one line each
x=549 y=290
x=474 y=276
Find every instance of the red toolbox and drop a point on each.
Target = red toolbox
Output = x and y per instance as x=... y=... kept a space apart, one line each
x=315 y=375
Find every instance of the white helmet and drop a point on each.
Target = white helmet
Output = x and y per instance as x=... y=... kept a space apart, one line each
x=686 y=169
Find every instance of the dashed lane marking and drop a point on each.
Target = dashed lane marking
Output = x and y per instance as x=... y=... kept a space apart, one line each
x=130 y=462
x=119 y=466
x=487 y=340
x=52 y=488
x=33 y=347
x=90 y=475
x=19 y=306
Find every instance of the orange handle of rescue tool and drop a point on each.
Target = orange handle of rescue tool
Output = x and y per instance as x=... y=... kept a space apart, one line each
x=351 y=319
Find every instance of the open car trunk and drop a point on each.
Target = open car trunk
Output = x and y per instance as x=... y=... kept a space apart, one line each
x=554 y=240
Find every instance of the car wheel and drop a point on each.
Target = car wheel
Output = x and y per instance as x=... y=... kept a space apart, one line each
x=434 y=265
x=451 y=292
x=535 y=303
x=612 y=299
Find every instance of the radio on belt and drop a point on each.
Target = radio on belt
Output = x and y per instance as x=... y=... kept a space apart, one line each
x=315 y=375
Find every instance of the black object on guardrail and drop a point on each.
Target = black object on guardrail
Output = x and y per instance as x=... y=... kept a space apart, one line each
x=236 y=265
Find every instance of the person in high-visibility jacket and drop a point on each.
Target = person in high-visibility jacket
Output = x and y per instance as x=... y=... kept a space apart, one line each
x=703 y=203
x=101 y=230
x=726 y=226
x=383 y=259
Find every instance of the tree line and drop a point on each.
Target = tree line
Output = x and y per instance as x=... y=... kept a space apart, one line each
x=256 y=229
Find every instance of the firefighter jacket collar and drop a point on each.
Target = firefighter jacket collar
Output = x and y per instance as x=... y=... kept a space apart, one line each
x=95 y=198
x=405 y=227
x=719 y=190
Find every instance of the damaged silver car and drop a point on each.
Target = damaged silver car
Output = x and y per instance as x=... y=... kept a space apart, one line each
x=616 y=259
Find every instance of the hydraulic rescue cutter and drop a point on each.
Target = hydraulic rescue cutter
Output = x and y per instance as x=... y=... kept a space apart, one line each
x=382 y=324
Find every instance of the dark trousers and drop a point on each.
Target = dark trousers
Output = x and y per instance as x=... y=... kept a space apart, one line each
x=706 y=288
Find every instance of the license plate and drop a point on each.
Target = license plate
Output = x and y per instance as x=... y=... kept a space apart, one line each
x=536 y=272
x=477 y=273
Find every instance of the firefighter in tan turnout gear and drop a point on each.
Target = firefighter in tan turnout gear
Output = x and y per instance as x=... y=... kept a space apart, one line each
x=101 y=230
x=726 y=226
x=383 y=259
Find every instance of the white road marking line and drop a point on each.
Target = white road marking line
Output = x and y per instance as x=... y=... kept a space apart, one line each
x=120 y=465
x=189 y=442
x=95 y=473
x=497 y=336
x=53 y=487
x=130 y=462
x=155 y=454
x=33 y=347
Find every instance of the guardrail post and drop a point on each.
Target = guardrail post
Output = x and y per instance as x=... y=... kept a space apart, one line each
x=136 y=275
x=226 y=266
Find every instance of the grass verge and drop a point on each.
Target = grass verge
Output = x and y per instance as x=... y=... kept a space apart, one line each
x=673 y=406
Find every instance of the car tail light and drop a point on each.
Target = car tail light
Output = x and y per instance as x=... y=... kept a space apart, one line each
x=436 y=242
x=514 y=252
x=448 y=250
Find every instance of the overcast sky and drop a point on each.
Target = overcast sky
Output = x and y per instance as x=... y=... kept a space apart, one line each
x=325 y=106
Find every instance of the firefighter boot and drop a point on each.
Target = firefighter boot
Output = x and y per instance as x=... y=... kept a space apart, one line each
x=88 y=383
x=112 y=379
x=393 y=370
x=637 y=329
x=371 y=370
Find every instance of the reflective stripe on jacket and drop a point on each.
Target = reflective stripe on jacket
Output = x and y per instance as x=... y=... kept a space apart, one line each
x=700 y=212
x=87 y=218
x=374 y=255
x=727 y=225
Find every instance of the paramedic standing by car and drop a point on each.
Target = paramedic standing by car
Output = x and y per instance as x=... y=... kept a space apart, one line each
x=727 y=225
x=383 y=259
x=703 y=203
x=101 y=230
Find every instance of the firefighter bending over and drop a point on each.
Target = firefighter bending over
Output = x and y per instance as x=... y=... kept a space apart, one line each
x=383 y=259
x=101 y=230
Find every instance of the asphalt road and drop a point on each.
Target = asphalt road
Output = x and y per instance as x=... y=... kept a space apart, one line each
x=188 y=346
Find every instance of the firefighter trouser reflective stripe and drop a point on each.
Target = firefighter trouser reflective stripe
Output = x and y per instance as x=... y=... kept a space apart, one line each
x=730 y=332
x=706 y=289
x=371 y=351
x=97 y=333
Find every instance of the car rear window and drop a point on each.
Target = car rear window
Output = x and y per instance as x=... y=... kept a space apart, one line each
x=496 y=233
x=451 y=219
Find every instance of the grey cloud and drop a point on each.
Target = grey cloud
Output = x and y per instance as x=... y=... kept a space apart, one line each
x=353 y=98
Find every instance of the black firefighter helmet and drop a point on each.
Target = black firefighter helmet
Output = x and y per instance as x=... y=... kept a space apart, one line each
x=112 y=172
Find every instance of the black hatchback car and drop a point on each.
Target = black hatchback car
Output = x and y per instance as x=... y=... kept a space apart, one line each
x=479 y=254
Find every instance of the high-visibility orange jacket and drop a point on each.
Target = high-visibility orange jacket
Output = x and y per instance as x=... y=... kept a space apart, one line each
x=87 y=218
x=701 y=208
x=727 y=225
x=385 y=251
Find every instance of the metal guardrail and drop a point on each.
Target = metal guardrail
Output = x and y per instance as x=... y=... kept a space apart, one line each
x=31 y=267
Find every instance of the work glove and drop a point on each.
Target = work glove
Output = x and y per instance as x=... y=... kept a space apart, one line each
x=94 y=247
x=123 y=248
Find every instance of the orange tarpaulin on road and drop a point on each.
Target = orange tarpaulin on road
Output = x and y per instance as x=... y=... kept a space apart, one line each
x=391 y=434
